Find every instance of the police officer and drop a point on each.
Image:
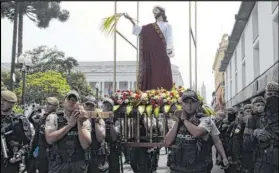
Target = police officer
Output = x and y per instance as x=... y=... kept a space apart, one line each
x=68 y=132
x=39 y=144
x=267 y=135
x=192 y=137
x=98 y=149
x=249 y=142
x=15 y=134
x=112 y=138
x=234 y=143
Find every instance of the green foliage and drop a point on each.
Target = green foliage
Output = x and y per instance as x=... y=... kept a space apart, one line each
x=40 y=12
x=44 y=59
x=42 y=85
x=18 y=109
x=78 y=82
x=5 y=78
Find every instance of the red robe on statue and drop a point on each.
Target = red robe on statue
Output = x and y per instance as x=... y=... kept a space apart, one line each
x=154 y=63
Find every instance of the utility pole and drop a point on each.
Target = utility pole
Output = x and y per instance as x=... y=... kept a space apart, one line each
x=196 y=49
x=190 y=46
x=114 y=47
x=12 y=75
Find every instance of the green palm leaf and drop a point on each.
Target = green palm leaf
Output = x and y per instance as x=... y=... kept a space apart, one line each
x=109 y=23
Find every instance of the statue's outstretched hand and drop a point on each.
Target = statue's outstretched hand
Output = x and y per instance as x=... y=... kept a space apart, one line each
x=126 y=15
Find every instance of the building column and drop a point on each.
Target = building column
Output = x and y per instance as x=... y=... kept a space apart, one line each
x=129 y=85
x=117 y=85
x=103 y=88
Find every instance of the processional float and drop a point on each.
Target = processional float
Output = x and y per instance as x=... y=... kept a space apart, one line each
x=133 y=109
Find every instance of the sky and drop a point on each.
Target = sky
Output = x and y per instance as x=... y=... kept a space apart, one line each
x=81 y=38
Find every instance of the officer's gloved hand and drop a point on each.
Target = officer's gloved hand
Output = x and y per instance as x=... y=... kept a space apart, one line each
x=262 y=134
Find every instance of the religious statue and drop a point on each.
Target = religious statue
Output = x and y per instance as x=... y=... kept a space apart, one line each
x=156 y=48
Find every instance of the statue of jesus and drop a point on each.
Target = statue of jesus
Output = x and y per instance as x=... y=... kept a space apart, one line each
x=156 y=48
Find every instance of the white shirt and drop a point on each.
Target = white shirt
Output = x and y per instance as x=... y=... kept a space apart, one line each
x=166 y=29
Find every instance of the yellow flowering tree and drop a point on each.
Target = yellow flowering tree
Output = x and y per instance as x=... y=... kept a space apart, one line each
x=41 y=85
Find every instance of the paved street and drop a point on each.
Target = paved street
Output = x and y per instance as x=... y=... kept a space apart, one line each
x=163 y=162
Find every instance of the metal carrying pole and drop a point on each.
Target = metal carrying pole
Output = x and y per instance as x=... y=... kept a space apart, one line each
x=190 y=46
x=137 y=68
x=114 y=47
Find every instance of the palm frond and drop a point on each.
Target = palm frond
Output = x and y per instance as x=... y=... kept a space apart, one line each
x=109 y=23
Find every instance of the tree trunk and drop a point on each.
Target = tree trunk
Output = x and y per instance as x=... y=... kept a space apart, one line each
x=20 y=28
x=14 y=46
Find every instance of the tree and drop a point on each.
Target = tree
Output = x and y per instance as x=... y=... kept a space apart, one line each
x=40 y=12
x=78 y=82
x=41 y=85
x=5 y=78
x=44 y=59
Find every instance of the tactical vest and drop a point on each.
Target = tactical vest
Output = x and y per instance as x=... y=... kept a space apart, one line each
x=42 y=143
x=268 y=150
x=189 y=153
x=67 y=149
x=97 y=148
x=10 y=126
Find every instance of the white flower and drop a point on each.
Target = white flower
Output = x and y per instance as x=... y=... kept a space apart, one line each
x=144 y=95
x=126 y=101
x=165 y=100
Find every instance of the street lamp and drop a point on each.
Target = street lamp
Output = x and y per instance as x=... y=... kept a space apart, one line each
x=25 y=64
x=97 y=89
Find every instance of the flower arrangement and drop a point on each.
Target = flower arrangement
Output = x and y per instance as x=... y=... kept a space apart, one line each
x=151 y=101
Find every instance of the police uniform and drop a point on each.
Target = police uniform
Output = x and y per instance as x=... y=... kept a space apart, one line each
x=267 y=135
x=98 y=150
x=247 y=151
x=192 y=154
x=113 y=146
x=39 y=143
x=66 y=155
x=249 y=141
x=16 y=133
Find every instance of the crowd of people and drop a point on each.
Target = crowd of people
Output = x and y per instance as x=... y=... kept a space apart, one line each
x=66 y=139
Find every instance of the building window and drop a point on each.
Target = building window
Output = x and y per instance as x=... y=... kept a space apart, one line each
x=235 y=59
x=236 y=83
x=243 y=45
x=275 y=38
x=256 y=54
x=255 y=22
x=243 y=75
x=274 y=5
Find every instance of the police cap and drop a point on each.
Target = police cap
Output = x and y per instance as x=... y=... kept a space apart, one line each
x=91 y=100
x=189 y=94
x=9 y=96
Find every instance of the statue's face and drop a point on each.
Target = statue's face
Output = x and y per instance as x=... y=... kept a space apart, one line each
x=156 y=12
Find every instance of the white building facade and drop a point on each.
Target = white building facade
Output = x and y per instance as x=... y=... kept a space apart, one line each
x=101 y=72
x=251 y=60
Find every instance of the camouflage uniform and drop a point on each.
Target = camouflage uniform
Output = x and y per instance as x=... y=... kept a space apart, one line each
x=16 y=133
x=66 y=155
x=39 y=143
x=268 y=134
x=98 y=150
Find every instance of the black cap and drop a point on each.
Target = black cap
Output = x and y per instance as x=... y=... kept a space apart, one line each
x=91 y=100
x=189 y=94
